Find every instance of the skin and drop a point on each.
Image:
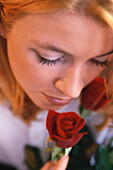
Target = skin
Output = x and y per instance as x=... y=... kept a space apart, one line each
x=78 y=35
x=61 y=164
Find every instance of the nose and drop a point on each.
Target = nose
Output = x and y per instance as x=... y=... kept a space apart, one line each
x=71 y=82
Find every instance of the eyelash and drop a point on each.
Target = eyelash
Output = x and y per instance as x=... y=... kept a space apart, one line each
x=47 y=62
x=58 y=61
x=98 y=63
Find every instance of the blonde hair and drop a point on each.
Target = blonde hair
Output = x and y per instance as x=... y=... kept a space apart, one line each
x=11 y=10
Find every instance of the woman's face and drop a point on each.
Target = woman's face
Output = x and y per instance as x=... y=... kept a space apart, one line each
x=53 y=56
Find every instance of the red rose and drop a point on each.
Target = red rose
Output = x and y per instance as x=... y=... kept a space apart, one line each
x=93 y=96
x=63 y=128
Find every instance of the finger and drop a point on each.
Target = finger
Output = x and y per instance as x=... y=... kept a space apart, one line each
x=47 y=166
x=62 y=163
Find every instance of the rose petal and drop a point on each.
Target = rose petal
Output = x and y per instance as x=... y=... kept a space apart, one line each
x=65 y=125
x=94 y=100
x=66 y=128
x=51 y=122
x=60 y=130
x=70 y=142
x=67 y=122
x=60 y=127
x=80 y=125
x=79 y=122
x=72 y=116
x=69 y=115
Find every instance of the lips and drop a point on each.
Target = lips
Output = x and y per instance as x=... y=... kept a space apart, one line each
x=57 y=101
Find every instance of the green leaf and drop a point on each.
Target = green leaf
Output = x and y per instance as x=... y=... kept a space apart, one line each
x=83 y=112
x=102 y=158
x=110 y=143
x=111 y=157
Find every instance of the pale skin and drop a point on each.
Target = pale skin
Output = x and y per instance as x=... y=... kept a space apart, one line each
x=83 y=41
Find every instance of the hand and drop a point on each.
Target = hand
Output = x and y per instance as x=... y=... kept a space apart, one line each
x=61 y=164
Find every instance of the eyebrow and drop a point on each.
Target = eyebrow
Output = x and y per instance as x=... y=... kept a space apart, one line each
x=102 y=55
x=57 y=49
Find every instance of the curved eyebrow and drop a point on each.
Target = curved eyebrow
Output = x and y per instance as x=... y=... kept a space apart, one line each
x=47 y=46
x=102 y=55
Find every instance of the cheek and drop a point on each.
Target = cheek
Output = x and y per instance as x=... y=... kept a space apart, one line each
x=91 y=73
x=27 y=71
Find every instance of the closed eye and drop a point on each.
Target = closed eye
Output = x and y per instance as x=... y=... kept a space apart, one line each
x=48 y=62
x=99 y=63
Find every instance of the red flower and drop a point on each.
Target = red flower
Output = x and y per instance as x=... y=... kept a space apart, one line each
x=93 y=96
x=63 y=128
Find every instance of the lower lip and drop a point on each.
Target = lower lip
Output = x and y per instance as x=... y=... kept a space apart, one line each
x=56 y=101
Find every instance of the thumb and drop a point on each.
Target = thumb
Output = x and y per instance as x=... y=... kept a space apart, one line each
x=47 y=166
x=62 y=163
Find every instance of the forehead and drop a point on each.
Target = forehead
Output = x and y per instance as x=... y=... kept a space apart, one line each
x=67 y=30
